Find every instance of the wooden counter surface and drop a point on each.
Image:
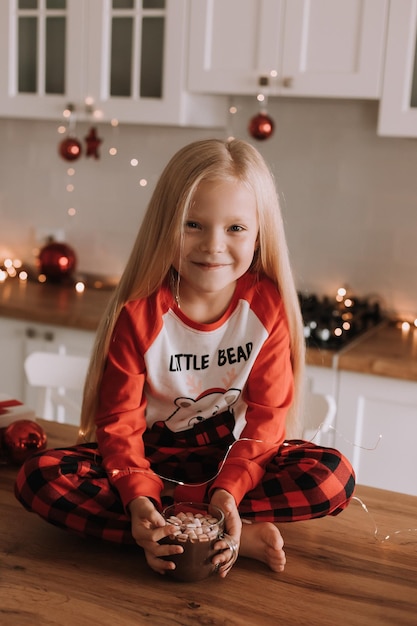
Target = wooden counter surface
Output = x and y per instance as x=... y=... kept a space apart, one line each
x=387 y=351
x=384 y=351
x=338 y=572
x=53 y=304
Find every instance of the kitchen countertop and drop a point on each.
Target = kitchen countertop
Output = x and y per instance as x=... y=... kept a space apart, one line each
x=53 y=304
x=386 y=350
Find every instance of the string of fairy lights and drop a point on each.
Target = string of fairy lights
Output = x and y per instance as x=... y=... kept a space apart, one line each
x=71 y=149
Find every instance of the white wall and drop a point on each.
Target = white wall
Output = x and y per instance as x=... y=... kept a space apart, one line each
x=349 y=197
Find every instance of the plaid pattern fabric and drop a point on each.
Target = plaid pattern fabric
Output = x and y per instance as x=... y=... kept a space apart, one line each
x=70 y=488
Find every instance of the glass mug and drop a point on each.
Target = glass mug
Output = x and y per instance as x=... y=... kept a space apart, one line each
x=198 y=527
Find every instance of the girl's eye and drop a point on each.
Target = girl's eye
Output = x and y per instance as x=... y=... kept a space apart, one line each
x=236 y=228
x=191 y=225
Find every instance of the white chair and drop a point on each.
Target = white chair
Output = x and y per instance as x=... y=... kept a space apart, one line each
x=59 y=380
x=320 y=413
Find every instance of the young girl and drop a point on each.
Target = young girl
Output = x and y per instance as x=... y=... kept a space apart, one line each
x=195 y=380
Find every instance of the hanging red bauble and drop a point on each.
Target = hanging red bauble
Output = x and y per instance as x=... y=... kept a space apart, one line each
x=70 y=149
x=93 y=142
x=57 y=261
x=261 y=126
x=22 y=439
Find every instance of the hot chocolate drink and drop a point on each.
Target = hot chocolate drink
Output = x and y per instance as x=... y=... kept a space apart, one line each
x=197 y=528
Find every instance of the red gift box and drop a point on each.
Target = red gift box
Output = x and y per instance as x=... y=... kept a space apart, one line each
x=12 y=410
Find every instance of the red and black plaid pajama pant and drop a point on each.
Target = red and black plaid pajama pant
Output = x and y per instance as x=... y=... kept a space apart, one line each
x=71 y=489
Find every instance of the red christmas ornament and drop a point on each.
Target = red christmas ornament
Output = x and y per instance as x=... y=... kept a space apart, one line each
x=261 y=126
x=70 y=149
x=93 y=142
x=22 y=439
x=57 y=261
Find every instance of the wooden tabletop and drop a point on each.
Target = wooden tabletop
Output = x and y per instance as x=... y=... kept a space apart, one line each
x=338 y=572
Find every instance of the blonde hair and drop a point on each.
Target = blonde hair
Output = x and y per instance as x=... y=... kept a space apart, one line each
x=159 y=239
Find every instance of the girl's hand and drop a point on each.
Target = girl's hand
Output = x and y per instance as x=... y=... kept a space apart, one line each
x=148 y=527
x=233 y=527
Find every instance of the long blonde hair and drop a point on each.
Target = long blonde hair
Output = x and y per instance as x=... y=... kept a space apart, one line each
x=159 y=238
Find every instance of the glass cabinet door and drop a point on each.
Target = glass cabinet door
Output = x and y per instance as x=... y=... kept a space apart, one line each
x=41 y=46
x=137 y=63
x=40 y=58
x=125 y=58
x=137 y=48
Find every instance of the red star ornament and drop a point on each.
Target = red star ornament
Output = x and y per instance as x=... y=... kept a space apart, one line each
x=92 y=142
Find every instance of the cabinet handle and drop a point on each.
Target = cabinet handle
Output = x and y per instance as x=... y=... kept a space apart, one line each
x=287 y=81
x=32 y=333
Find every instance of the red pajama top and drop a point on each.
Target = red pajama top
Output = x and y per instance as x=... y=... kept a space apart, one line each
x=166 y=372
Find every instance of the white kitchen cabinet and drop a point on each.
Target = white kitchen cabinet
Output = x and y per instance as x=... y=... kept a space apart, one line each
x=122 y=59
x=324 y=381
x=12 y=355
x=374 y=406
x=329 y=48
x=19 y=338
x=398 y=107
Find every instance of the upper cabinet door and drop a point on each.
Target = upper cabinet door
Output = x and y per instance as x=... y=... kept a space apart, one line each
x=123 y=59
x=137 y=63
x=327 y=48
x=334 y=48
x=40 y=58
x=398 y=108
x=233 y=43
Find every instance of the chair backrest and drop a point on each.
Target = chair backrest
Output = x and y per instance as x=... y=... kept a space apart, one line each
x=60 y=380
x=320 y=413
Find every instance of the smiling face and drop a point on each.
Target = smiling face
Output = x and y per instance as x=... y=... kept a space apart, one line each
x=219 y=240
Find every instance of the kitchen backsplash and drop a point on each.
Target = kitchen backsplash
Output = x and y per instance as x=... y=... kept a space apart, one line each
x=349 y=197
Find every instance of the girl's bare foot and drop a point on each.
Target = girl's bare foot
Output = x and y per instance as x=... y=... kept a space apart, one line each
x=263 y=541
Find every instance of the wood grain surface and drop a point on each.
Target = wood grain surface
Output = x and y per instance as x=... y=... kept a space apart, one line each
x=338 y=572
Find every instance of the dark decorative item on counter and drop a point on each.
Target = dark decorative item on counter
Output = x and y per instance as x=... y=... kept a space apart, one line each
x=261 y=126
x=57 y=261
x=22 y=439
x=70 y=149
x=93 y=143
x=332 y=323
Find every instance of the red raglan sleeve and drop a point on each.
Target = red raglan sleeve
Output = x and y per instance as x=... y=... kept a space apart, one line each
x=120 y=419
x=268 y=395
